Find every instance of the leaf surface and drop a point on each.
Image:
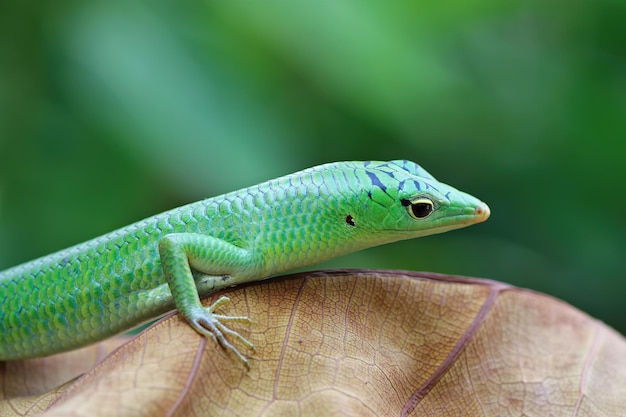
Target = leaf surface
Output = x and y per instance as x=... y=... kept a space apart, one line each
x=349 y=342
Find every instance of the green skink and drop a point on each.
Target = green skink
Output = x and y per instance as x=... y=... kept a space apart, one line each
x=114 y=282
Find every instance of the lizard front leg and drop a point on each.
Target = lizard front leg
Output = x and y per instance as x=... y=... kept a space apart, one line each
x=213 y=257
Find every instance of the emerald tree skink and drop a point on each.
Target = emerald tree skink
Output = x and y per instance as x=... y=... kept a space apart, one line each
x=114 y=282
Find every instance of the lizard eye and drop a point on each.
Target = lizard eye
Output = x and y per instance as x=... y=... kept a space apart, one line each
x=420 y=208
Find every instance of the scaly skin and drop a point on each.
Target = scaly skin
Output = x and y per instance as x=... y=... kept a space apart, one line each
x=114 y=282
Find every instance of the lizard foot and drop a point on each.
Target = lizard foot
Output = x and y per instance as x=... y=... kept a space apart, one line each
x=209 y=324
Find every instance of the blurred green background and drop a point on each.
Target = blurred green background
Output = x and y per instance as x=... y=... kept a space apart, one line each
x=114 y=111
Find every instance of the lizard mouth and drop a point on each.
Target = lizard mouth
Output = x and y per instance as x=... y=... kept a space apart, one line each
x=466 y=217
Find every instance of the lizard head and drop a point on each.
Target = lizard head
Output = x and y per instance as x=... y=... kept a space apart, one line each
x=402 y=198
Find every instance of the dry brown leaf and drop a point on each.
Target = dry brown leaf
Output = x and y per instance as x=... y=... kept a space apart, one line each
x=27 y=387
x=365 y=343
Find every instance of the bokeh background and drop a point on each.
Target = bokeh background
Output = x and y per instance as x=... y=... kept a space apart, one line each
x=114 y=111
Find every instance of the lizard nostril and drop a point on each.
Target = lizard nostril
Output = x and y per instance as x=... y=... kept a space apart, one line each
x=483 y=211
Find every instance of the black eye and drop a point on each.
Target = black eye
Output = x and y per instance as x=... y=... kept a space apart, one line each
x=419 y=208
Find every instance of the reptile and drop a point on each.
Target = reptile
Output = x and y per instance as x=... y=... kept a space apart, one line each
x=117 y=281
